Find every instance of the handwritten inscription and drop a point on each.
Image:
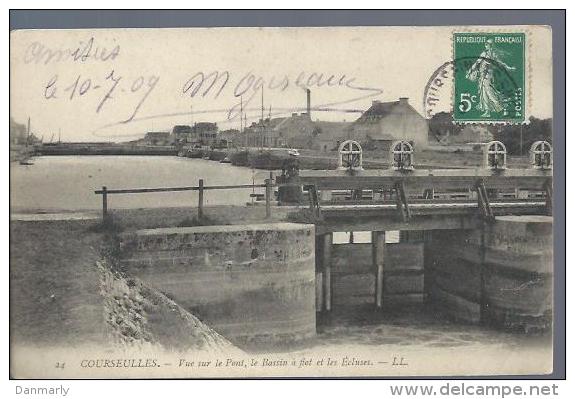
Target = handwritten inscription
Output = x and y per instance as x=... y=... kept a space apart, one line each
x=249 y=84
x=113 y=87
x=40 y=53
x=105 y=88
x=213 y=83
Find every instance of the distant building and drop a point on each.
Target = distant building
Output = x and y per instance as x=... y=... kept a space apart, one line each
x=157 y=138
x=295 y=131
x=17 y=132
x=378 y=127
x=201 y=133
x=264 y=134
x=228 y=138
x=205 y=133
x=182 y=134
x=316 y=135
x=385 y=122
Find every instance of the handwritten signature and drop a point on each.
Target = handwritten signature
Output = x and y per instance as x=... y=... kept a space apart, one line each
x=213 y=83
x=39 y=53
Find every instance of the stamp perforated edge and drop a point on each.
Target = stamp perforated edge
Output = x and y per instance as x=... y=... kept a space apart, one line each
x=526 y=78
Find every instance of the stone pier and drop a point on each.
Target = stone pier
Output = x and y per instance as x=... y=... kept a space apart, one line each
x=500 y=274
x=251 y=283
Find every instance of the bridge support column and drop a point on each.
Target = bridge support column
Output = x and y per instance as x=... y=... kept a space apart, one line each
x=427 y=270
x=326 y=264
x=378 y=253
x=325 y=195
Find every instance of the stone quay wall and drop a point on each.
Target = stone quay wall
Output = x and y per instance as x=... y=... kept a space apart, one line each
x=251 y=283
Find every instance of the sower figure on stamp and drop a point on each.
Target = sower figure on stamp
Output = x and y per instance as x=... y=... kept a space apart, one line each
x=482 y=71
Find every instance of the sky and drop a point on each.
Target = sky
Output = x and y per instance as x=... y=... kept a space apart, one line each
x=118 y=84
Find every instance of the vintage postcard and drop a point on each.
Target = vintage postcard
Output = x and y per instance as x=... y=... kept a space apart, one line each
x=281 y=202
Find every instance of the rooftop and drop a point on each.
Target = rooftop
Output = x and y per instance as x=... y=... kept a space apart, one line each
x=380 y=110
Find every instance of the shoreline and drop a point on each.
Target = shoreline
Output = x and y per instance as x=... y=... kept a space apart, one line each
x=273 y=159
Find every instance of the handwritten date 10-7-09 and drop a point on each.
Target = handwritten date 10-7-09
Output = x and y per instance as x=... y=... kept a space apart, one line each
x=112 y=86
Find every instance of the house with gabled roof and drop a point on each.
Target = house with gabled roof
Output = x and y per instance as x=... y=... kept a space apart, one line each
x=386 y=122
x=378 y=127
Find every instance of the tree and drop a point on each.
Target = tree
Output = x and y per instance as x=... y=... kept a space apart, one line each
x=516 y=136
x=441 y=126
x=513 y=136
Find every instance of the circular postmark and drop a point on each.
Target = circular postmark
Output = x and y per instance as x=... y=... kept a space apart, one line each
x=439 y=93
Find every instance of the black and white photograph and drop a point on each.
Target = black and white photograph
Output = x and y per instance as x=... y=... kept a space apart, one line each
x=282 y=202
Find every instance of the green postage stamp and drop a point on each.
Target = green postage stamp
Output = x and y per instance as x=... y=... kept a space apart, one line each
x=489 y=77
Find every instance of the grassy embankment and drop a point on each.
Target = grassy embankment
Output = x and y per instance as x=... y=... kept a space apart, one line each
x=66 y=290
x=54 y=284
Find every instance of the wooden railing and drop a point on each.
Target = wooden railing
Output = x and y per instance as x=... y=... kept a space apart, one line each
x=200 y=188
x=407 y=186
x=403 y=185
x=420 y=180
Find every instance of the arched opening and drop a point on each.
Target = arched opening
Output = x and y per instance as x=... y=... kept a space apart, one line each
x=495 y=156
x=541 y=154
x=401 y=155
x=350 y=155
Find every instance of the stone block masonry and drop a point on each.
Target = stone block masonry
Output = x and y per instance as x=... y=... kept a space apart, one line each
x=502 y=275
x=251 y=283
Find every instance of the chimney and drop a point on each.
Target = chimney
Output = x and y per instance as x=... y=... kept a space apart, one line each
x=308 y=92
x=404 y=100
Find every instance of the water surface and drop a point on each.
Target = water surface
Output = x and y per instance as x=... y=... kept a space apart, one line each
x=68 y=182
